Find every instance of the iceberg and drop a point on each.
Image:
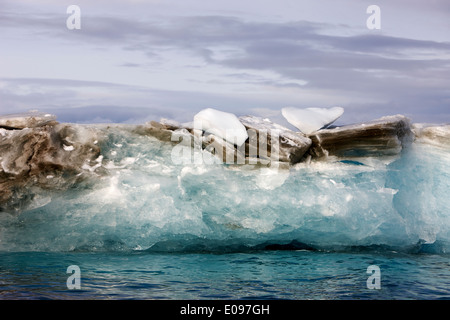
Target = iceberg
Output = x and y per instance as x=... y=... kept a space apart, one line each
x=222 y=124
x=309 y=120
x=71 y=187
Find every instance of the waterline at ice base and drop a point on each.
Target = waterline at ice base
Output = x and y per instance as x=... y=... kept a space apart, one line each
x=224 y=183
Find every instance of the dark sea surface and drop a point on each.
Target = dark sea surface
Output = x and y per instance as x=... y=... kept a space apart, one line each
x=292 y=275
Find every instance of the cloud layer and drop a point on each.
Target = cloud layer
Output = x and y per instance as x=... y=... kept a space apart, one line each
x=186 y=61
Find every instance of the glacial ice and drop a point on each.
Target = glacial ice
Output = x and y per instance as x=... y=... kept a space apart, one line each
x=437 y=135
x=381 y=137
x=124 y=192
x=291 y=145
x=309 y=120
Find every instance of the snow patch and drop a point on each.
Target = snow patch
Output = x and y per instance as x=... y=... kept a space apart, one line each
x=221 y=124
x=310 y=120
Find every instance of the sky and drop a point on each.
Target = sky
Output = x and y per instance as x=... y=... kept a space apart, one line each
x=133 y=61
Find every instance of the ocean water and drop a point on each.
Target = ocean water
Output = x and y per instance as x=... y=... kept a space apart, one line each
x=292 y=275
x=146 y=227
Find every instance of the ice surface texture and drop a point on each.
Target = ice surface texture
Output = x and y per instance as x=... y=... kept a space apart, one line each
x=384 y=136
x=124 y=192
x=292 y=146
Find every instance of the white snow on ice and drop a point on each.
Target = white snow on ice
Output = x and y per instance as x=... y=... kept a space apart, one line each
x=309 y=120
x=222 y=124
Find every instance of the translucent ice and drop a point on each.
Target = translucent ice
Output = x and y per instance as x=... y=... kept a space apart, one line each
x=135 y=196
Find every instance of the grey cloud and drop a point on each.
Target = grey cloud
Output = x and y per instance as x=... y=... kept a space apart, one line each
x=379 y=43
x=302 y=50
x=130 y=65
x=59 y=82
x=363 y=64
x=267 y=45
x=289 y=40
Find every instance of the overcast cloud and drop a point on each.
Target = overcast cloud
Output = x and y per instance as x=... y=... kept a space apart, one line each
x=140 y=60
